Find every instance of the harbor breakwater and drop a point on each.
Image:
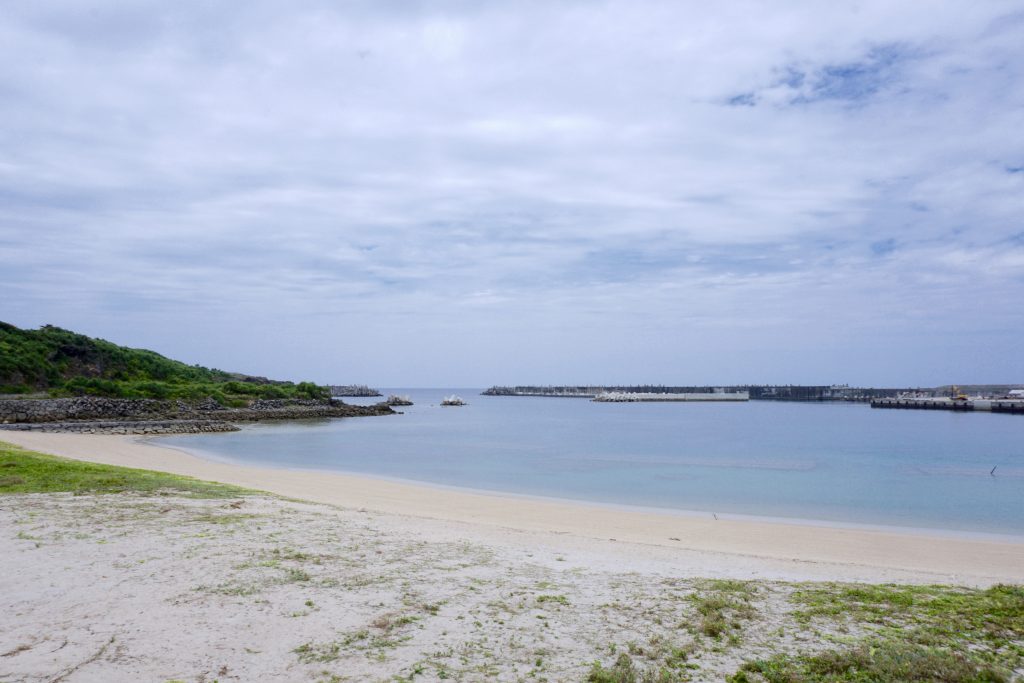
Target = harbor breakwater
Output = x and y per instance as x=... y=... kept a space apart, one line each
x=770 y=392
x=622 y=397
x=779 y=392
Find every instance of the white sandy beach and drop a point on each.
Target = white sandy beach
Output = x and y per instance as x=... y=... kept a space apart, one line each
x=692 y=545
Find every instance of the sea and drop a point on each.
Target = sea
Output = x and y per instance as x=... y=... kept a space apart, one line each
x=835 y=463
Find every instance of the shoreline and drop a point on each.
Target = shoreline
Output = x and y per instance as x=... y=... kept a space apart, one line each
x=786 y=550
x=626 y=508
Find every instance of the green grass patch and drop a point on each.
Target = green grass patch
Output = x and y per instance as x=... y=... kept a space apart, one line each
x=310 y=653
x=942 y=634
x=553 y=599
x=24 y=471
x=625 y=671
x=877 y=662
x=722 y=606
x=990 y=621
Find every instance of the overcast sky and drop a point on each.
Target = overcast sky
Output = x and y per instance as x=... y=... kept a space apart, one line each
x=470 y=193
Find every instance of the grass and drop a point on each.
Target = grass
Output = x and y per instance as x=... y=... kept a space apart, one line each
x=994 y=615
x=389 y=622
x=987 y=625
x=942 y=634
x=625 y=671
x=722 y=606
x=878 y=662
x=24 y=471
x=309 y=653
x=859 y=633
x=554 y=599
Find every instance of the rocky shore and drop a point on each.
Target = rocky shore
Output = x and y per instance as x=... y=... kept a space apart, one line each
x=96 y=415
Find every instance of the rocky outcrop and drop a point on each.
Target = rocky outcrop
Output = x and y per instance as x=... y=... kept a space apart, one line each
x=353 y=390
x=73 y=414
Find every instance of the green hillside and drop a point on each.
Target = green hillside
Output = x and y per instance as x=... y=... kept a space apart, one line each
x=63 y=363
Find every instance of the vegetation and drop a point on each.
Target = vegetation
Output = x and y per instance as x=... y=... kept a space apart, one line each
x=625 y=671
x=23 y=471
x=722 y=606
x=994 y=616
x=63 y=363
x=879 y=662
x=912 y=633
x=835 y=633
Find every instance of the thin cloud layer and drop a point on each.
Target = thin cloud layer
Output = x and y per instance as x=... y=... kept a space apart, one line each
x=468 y=193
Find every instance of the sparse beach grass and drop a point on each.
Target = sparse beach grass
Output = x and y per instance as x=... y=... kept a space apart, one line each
x=198 y=583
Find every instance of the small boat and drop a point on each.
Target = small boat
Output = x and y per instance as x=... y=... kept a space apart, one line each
x=452 y=400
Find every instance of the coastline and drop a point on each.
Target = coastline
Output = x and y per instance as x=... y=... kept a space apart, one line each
x=695 y=545
x=618 y=507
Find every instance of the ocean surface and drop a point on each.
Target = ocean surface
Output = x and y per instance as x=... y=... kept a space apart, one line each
x=831 y=462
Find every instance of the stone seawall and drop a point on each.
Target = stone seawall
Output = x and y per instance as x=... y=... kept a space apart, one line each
x=83 y=408
x=95 y=410
x=125 y=427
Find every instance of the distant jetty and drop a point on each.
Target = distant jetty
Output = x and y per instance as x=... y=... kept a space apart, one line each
x=353 y=390
x=755 y=392
x=632 y=397
x=762 y=392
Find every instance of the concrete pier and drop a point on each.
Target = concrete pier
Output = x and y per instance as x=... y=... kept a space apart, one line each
x=994 y=405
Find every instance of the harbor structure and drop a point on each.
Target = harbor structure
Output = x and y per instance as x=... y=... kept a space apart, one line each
x=776 y=392
x=639 y=397
x=1008 y=405
x=780 y=392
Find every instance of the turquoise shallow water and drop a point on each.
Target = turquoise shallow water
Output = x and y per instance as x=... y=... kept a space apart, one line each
x=831 y=462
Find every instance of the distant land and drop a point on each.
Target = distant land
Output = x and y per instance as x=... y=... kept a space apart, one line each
x=757 y=392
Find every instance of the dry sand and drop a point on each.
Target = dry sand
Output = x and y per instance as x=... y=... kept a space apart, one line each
x=394 y=582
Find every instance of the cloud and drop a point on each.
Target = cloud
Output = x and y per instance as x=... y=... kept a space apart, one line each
x=536 y=177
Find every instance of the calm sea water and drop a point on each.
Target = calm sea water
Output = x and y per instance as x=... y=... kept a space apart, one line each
x=832 y=462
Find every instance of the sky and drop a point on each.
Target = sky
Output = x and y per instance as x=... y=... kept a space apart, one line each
x=472 y=193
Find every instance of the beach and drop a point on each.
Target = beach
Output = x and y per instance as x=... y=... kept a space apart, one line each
x=352 y=578
x=704 y=545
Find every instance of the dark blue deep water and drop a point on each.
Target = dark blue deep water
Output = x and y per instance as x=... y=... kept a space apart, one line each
x=832 y=462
